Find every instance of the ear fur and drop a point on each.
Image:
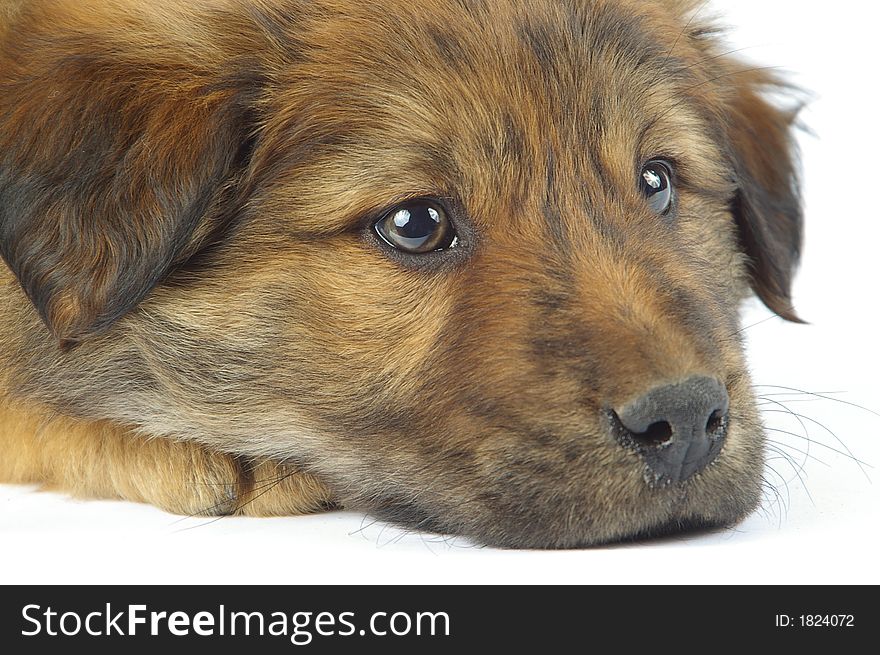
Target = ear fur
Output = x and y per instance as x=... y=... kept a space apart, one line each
x=767 y=206
x=118 y=160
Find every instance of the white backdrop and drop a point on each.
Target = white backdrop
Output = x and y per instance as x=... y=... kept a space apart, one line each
x=823 y=525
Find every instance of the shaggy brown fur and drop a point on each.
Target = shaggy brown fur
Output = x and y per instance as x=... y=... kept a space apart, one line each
x=194 y=289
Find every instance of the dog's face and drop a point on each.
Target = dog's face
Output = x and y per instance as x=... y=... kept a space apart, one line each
x=475 y=264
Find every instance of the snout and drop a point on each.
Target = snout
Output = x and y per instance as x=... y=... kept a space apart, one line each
x=679 y=456
x=679 y=429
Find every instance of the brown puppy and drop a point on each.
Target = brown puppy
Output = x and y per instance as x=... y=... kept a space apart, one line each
x=471 y=265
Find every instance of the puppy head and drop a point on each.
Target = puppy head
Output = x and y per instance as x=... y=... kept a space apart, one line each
x=471 y=263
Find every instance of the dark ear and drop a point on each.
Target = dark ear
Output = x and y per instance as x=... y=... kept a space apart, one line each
x=118 y=161
x=767 y=206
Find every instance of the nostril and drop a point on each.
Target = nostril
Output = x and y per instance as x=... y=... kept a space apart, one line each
x=656 y=435
x=717 y=423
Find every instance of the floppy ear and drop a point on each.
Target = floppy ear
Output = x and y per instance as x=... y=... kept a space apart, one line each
x=767 y=206
x=119 y=159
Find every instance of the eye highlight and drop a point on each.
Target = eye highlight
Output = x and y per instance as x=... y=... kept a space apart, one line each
x=417 y=227
x=655 y=183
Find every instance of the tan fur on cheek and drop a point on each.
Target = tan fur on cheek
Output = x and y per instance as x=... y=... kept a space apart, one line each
x=8 y=11
x=358 y=313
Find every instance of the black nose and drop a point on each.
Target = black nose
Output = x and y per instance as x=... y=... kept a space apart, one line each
x=679 y=429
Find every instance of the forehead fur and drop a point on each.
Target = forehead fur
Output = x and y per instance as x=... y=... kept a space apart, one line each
x=474 y=98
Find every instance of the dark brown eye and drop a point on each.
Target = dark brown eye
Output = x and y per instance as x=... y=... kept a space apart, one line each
x=656 y=185
x=417 y=227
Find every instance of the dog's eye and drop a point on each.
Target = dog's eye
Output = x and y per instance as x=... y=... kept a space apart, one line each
x=418 y=227
x=656 y=185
